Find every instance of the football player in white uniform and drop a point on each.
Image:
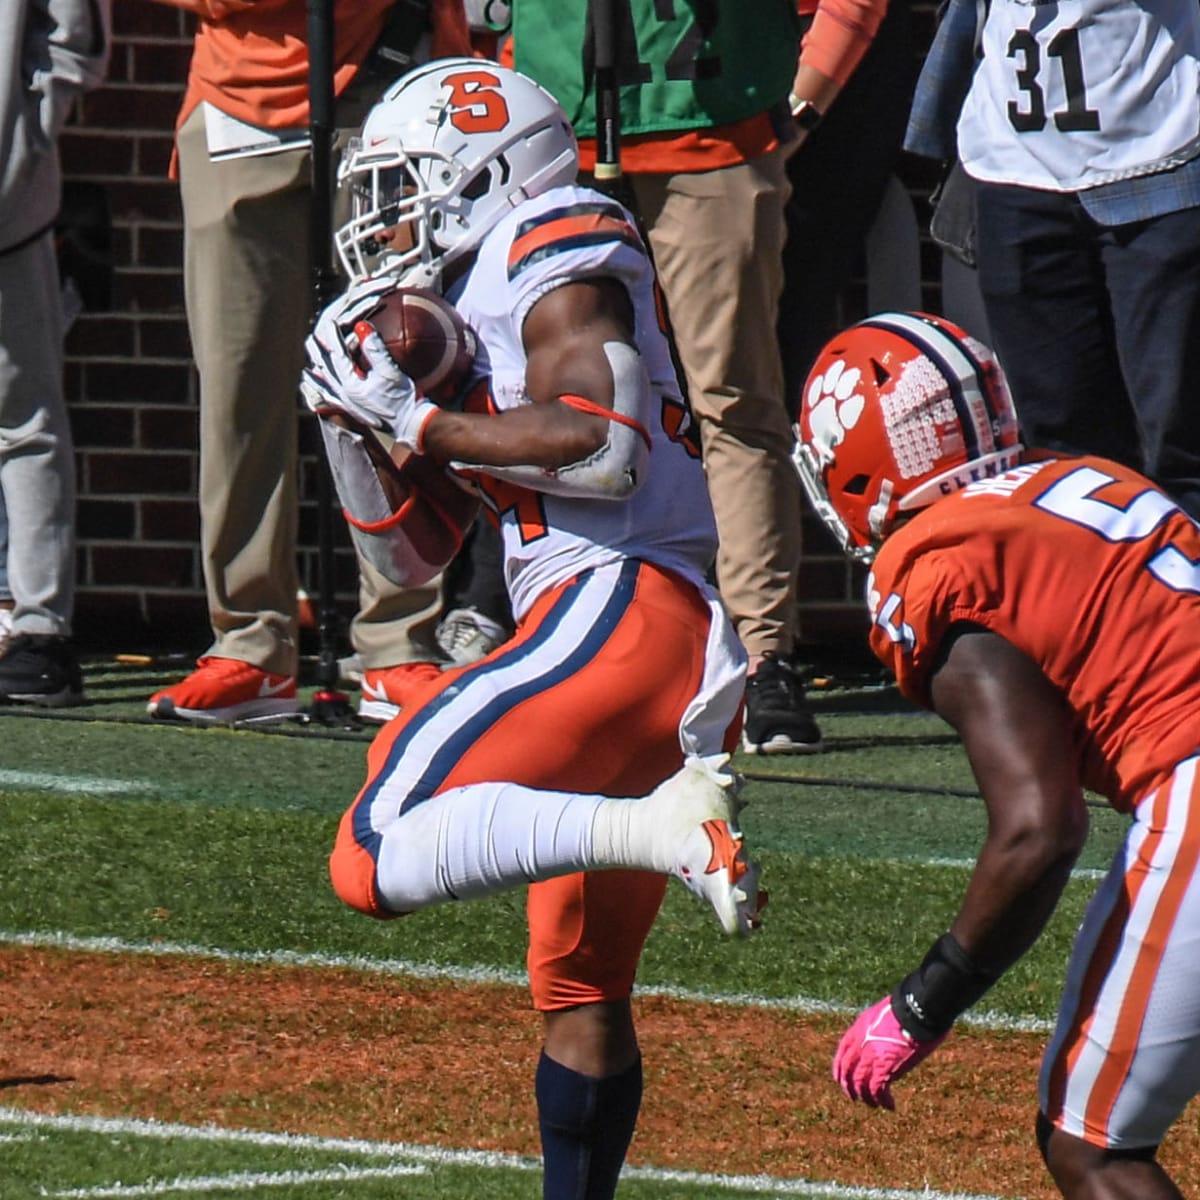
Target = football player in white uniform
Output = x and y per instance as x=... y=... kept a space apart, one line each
x=624 y=678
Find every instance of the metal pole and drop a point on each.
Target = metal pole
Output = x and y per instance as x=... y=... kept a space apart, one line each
x=329 y=706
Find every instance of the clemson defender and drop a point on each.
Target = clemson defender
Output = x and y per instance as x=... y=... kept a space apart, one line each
x=1048 y=608
x=624 y=678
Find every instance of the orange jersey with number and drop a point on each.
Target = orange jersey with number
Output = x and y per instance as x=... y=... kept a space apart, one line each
x=1090 y=570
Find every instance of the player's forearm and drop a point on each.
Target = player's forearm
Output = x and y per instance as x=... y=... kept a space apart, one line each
x=1013 y=890
x=1012 y=893
x=549 y=436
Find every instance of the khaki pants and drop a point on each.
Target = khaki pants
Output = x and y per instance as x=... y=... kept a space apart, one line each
x=249 y=293
x=717 y=238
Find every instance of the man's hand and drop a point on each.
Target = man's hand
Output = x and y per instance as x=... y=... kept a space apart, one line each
x=874 y=1052
x=372 y=390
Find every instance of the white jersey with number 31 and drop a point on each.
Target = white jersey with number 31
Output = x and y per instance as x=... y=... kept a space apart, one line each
x=1075 y=93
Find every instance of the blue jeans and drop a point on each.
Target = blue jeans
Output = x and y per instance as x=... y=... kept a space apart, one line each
x=1098 y=330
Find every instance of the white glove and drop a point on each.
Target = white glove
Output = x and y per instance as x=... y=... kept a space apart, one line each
x=379 y=395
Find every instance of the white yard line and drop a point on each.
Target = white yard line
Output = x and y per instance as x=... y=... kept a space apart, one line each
x=764 y=1185
x=50 y=781
x=237 y=1181
x=458 y=974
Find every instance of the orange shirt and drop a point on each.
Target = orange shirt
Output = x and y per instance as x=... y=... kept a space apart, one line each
x=840 y=34
x=1093 y=573
x=251 y=59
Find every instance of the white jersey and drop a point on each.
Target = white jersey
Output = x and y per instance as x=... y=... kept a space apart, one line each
x=1071 y=94
x=563 y=236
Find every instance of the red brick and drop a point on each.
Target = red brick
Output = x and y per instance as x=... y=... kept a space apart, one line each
x=137 y=19
x=101 y=427
x=170 y=520
x=96 y=334
x=165 y=338
x=105 y=520
x=149 y=566
x=159 y=62
x=138 y=382
x=121 y=106
x=87 y=152
x=168 y=429
x=132 y=474
x=160 y=246
x=148 y=291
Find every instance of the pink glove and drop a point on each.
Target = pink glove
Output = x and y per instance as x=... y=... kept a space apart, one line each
x=874 y=1052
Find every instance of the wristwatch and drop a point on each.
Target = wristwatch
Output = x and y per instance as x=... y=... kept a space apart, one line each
x=804 y=112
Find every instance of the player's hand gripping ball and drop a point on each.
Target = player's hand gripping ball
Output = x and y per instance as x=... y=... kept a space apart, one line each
x=426 y=338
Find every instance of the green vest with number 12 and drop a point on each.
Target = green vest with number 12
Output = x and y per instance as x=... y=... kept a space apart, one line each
x=683 y=64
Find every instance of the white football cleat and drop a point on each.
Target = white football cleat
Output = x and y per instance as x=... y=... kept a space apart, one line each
x=696 y=824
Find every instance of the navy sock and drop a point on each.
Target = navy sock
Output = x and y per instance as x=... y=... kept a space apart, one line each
x=586 y=1125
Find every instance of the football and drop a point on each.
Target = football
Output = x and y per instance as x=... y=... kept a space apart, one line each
x=427 y=338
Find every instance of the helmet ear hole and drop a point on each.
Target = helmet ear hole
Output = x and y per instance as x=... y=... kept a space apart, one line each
x=857 y=486
x=881 y=373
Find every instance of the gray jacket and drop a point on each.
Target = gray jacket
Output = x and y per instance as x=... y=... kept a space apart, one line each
x=51 y=51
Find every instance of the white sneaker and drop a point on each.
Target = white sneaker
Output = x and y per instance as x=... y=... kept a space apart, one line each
x=696 y=826
x=465 y=635
x=6 y=627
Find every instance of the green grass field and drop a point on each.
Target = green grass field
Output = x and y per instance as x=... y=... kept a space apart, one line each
x=140 y=838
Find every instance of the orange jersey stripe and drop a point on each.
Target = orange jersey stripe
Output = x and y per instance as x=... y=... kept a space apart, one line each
x=1123 y=1044
x=568 y=229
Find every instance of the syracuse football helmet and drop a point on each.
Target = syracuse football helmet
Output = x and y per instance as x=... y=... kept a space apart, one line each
x=898 y=411
x=444 y=154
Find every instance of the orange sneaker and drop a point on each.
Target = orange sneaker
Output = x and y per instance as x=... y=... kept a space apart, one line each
x=386 y=690
x=222 y=690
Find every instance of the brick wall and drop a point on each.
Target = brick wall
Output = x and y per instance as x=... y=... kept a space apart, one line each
x=132 y=388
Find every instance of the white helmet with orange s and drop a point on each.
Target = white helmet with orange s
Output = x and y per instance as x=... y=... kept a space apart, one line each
x=442 y=156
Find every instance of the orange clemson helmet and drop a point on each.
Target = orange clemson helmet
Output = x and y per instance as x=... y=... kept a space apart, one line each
x=899 y=410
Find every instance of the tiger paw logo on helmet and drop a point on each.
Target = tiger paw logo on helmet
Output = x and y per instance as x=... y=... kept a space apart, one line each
x=835 y=405
x=899 y=410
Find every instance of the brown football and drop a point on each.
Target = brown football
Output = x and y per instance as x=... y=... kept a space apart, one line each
x=427 y=338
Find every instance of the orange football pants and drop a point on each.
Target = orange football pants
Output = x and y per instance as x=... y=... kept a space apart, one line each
x=589 y=696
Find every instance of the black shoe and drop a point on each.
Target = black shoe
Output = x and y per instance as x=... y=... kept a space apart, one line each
x=778 y=720
x=40 y=670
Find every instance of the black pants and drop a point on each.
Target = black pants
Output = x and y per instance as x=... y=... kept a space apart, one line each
x=838 y=179
x=1097 y=329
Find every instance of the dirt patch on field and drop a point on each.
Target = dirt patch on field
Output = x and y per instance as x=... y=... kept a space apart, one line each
x=339 y=1053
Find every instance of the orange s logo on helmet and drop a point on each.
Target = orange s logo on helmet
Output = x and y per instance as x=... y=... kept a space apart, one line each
x=477 y=105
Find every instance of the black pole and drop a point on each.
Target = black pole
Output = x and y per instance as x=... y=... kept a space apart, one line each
x=608 y=174
x=329 y=706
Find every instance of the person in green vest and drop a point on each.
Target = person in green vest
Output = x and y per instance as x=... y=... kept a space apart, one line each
x=705 y=134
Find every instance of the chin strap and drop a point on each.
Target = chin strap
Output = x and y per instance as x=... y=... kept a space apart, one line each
x=877 y=515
